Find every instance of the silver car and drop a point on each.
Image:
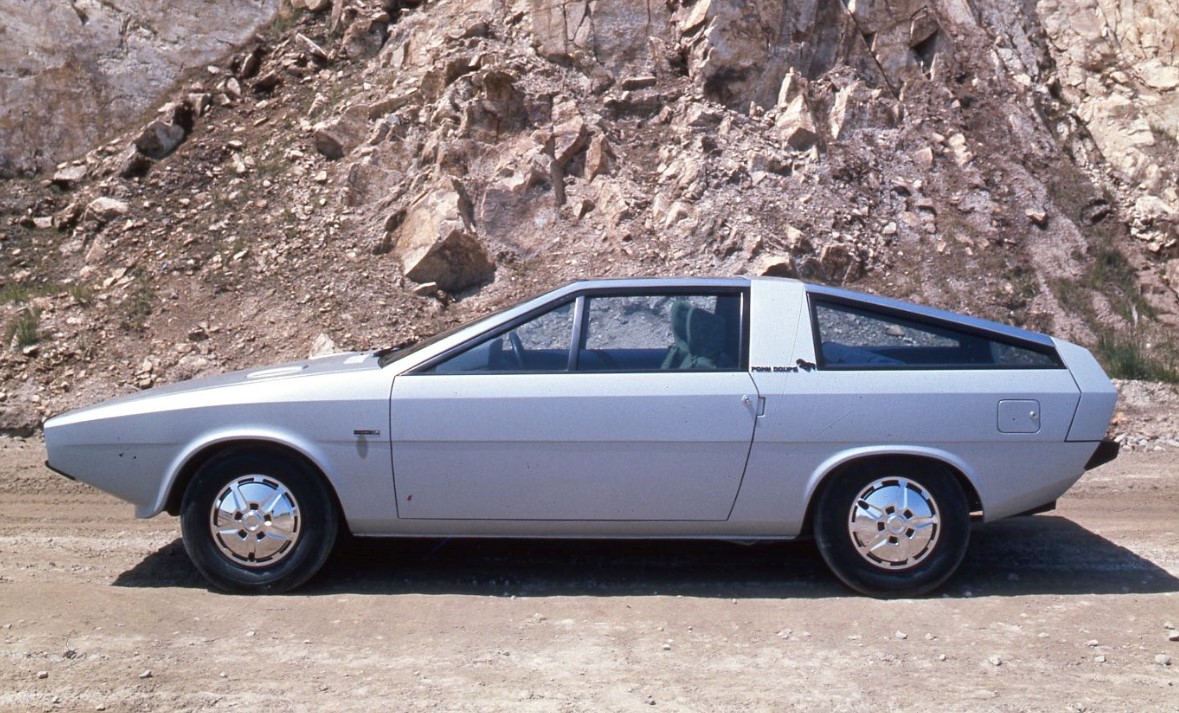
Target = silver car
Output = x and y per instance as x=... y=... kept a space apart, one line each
x=730 y=408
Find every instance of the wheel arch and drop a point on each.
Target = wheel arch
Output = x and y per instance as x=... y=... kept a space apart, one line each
x=830 y=470
x=194 y=460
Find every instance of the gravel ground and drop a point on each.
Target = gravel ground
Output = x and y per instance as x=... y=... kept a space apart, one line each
x=1147 y=416
x=1071 y=611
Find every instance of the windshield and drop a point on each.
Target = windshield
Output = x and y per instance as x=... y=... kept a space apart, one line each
x=391 y=354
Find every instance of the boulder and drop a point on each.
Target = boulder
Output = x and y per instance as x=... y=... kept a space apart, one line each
x=631 y=84
x=569 y=139
x=796 y=125
x=201 y=102
x=610 y=201
x=18 y=418
x=311 y=47
x=839 y=263
x=67 y=177
x=797 y=240
x=267 y=83
x=366 y=36
x=337 y=137
x=923 y=157
x=692 y=18
x=159 y=138
x=703 y=116
x=322 y=345
x=329 y=143
x=1038 y=216
x=312 y=5
x=792 y=85
x=437 y=242
x=133 y=164
x=96 y=253
x=398 y=98
x=774 y=266
x=248 y=64
x=598 y=157
x=106 y=209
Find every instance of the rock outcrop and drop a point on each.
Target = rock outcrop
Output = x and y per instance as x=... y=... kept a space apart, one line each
x=72 y=72
x=1117 y=67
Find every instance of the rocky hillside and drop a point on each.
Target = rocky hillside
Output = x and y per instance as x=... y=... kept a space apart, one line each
x=362 y=173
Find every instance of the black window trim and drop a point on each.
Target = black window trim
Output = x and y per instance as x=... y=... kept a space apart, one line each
x=814 y=301
x=580 y=314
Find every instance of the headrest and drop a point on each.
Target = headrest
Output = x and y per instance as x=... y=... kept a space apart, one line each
x=680 y=310
x=705 y=334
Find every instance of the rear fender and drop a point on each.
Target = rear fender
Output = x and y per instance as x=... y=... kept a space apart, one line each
x=838 y=461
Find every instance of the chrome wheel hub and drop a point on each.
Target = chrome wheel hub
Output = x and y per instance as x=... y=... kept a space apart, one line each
x=894 y=523
x=255 y=521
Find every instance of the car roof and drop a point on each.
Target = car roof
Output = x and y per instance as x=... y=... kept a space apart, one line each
x=655 y=282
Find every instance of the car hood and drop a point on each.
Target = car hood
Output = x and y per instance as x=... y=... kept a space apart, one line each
x=319 y=366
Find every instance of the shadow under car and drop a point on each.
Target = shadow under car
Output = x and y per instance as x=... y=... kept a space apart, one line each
x=1029 y=555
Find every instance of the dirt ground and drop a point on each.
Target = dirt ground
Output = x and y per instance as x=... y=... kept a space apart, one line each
x=1068 y=611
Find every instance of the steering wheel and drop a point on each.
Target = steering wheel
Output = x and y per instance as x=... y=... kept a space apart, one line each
x=517 y=348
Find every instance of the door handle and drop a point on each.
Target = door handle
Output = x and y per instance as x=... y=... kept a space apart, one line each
x=747 y=400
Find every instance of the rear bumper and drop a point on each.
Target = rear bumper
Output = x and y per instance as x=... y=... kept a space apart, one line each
x=1106 y=451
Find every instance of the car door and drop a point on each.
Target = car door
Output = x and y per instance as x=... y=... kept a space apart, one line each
x=596 y=409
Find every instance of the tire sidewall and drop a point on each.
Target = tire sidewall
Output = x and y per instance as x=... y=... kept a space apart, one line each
x=318 y=523
x=836 y=546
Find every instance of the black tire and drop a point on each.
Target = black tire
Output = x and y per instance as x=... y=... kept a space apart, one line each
x=303 y=511
x=921 y=555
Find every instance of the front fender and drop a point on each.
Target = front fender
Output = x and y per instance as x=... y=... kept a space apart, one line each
x=179 y=471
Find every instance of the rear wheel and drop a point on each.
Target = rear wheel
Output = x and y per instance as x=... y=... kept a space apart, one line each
x=257 y=523
x=893 y=528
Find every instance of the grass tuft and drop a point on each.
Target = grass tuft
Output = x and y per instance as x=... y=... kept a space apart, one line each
x=81 y=293
x=25 y=330
x=140 y=303
x=1128 y=354
x=15 y=292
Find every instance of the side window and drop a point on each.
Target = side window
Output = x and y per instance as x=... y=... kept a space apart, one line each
x=862 y=338
x=540 y=344
x=656 y=332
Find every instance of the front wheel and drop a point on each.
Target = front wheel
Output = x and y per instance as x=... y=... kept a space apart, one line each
x=257 y=523
x=892 y=529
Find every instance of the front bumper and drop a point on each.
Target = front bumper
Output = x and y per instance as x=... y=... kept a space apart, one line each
x=59 y=472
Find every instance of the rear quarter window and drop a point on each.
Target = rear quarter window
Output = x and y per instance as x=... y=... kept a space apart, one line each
x=861 y=337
